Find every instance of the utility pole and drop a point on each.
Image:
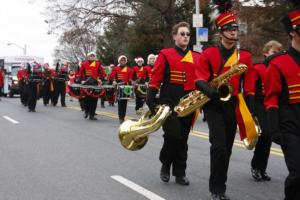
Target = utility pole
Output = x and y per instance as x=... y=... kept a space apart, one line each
x=197 y=13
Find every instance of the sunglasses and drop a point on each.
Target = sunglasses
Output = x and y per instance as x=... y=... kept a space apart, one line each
x=185 y=34
x=230 y=29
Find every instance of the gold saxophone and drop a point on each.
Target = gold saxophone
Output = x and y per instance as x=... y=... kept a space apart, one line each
x=196 y=99
x=133 y=134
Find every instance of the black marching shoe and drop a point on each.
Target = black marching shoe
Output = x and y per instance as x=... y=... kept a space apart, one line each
x=219 y=197
x=265 y=176
x=182 y=180
x=164 y=173
x=256 y=174
x=92 y=118
x=85 y=115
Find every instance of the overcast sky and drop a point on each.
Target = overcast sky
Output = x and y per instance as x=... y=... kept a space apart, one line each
x=22 y=22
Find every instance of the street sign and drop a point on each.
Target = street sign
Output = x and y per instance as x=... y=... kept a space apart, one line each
x=197 y=20
x=202 y=34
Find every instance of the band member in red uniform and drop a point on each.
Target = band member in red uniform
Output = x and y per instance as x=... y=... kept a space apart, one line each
x=48 y=84
x=139 y=76
x=22 y=76
x=61 y=76
x=282 y=101
x=260 y=158
x=111 y=94
x=122 y=74
x=220 y=115
x=35 y=76
x=71 y=81
x=91 y=73
x=150 y=61
x=174 y=75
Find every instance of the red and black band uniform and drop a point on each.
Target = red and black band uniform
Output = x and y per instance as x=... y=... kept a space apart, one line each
x=140 y=77
x=220 y=115
x=48 y=86
x=23 y=85
x=91 y=72
x=174 y=75
x=149 y=69
x=262 y=149
x=282 y=101
x=35 y=76
x=122 y=74
x=61 y=76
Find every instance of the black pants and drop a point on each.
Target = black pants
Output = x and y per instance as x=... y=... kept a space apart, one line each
x=102 y=101
x=139 y=102
x=23 y=92
x=59 y=89
x=175 y=147
x=122 y=107
x=222 y=124
x=90 y=105
x=291 y=149
x=32 y=95
x=262 y=148
x=81 y=104
x=47 y=93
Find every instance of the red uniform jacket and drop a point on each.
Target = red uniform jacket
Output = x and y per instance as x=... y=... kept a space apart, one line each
x=93 y=69
x=149 y=70
x=282 y=67
x=181 y=69
x=22 y=74
x=211 y=61
x=259 y=77
x=139 y=73
x=122 y=74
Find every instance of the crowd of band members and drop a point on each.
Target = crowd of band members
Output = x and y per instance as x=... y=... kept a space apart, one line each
x=53 y=82
x=271 y=90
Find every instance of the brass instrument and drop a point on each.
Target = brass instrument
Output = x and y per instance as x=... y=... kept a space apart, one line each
x=250 y=143
x=196 y=99
x=133 y=135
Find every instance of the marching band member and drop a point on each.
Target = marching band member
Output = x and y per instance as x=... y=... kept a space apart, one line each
x=174 y=74
x=150 y=61
x=48 y=86
x=91 y=73
x=282 y=101
x=139 y=76
x=72 y=77
x=260 y=158
x=122 y=74
x=61 y=76
x=111 y=96
x=221 y=115
x=35 y=76
x=22 y=79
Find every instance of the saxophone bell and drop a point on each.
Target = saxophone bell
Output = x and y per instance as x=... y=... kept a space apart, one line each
x=225 y=91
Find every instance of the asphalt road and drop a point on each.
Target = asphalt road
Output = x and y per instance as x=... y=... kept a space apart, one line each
x=55 y=154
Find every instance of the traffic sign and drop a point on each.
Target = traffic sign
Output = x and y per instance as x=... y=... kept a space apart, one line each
x=202 y=34
x=197 y=20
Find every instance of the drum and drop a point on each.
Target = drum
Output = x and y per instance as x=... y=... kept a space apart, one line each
x=141 y=91
x=93 y=91
x=75 y=90
x=110 y=94
x=125 y=92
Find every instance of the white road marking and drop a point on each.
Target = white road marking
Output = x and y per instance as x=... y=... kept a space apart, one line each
x=10 y=119
x=148 y=194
